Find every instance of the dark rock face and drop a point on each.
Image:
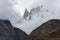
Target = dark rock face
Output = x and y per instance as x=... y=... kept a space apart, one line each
x=6 y=31
x=35 y=10
x=21 y=35
x=47 y=31
x=26 y=15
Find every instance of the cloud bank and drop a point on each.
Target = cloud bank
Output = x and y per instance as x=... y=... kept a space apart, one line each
x=13 y=10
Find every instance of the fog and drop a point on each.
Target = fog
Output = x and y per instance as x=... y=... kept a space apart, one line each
x=13 y=11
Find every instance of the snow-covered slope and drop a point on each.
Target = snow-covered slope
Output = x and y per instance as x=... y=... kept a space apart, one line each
x=50 y=9
x=36 y=20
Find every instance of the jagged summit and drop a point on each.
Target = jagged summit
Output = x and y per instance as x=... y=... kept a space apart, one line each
x=28 y=15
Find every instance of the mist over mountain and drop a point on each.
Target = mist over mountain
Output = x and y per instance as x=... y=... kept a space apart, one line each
x=27 y=15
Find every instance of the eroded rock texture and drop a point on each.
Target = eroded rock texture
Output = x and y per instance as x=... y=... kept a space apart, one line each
x=47 y=31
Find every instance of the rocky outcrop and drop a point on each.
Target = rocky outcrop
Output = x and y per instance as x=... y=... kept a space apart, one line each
x=26 y=15
x=47 y=31
x=21 y=35
x=34 y=11
x=8 y=32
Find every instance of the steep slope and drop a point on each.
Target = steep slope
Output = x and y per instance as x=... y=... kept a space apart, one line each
x=20 y=35
x=49 y=30
x=8 y=32
x=15 y=9
x=26 y=15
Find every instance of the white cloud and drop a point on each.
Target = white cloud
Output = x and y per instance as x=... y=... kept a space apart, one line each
x=21 y=5
x=7 y=11
x=14 y=9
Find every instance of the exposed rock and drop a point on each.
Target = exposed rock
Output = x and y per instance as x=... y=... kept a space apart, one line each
x=26 y=15
x=35 y=10
x=6 y=31
x=21 y=35
x=47 y=31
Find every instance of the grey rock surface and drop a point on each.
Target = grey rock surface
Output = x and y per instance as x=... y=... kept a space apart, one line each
x=8 y=32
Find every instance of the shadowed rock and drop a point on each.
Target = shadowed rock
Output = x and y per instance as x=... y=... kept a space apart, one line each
x=6 y=31
x=49 y=30
x=21 y=35
x=26 y=15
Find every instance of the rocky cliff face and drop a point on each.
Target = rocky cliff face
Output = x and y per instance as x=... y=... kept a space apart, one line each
x=47 y=31
x=20 y=35
x=8 y=32
x=28 y=15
